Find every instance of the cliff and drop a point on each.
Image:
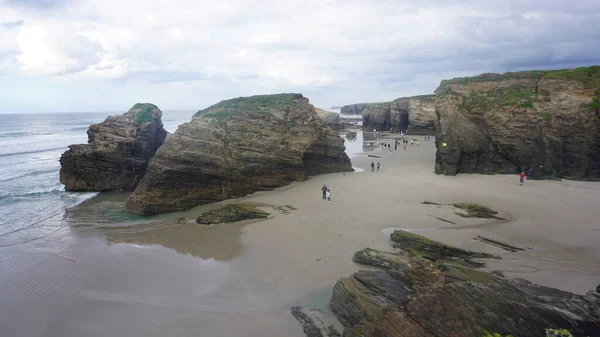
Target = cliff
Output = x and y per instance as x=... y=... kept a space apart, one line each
x=237 y=147
x=117 y=153
x=354 y=109
x=414 y=114
x=439 y=296
x=548 y=121
x=331 y=119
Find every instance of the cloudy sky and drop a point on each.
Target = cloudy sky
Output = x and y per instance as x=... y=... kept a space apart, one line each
x=105 y=55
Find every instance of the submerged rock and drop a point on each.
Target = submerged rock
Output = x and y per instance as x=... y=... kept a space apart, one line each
x=231 y=213
x=420 y=298
x=117 y=153
x=545 y=121
x=237 y=147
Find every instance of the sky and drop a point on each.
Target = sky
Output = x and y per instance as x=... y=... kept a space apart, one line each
x=106 y=55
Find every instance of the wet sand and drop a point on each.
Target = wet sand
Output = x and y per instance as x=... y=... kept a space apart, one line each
x=158 y=277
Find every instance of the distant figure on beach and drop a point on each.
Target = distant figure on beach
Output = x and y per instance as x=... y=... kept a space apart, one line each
x=328 y=195
x=372 y=166
x=404 y=147
x=417 y=143
x=531 y=174
x=412 y=142
x=378 y=166
x=324 y=189
x=521 y=177
x=396 y=147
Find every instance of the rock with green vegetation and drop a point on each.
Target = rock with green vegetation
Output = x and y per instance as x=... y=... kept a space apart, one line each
x=476 y=211
x=117 y=153
x=420 y=246
x=381 y=259
x=237 y=147
x=420 y=298
x=354 y=109
x=231 y=213
x=548 y=121
x=332 y=119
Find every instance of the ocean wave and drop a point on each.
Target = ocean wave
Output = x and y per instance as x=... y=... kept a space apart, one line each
x=34 y=193
x=32 y=151
x=81 y=128
x=29 y=174
x=24 y=134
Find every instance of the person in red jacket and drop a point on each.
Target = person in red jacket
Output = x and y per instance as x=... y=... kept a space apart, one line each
x=521 y=178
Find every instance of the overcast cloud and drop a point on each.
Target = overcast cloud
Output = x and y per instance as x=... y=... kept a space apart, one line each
x=105 y=55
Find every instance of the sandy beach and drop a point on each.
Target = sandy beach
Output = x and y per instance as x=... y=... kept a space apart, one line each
x=159 y=277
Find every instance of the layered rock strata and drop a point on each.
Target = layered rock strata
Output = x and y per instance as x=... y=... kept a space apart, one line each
x=417 y=297
x=117 y=153
x=237 y=147
x=548 y=121
x=415 y=115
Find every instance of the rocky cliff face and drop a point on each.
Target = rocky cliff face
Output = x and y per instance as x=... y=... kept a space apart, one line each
x=548 y=121
x=414 y=114
x=117 y=153
x=237 y=147
x=331 y=119
x=354 y=109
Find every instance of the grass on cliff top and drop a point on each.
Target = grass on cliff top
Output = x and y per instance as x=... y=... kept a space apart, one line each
x=589 y=76
x=143 y=112
x=253 y=104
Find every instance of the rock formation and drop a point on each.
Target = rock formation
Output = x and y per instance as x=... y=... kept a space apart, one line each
x=231 y=213
x=548 y=121
x=237 y=147
x=415 y=115
x=117 y=153
x=440 y=297
x=332 y=119
x=354 y=109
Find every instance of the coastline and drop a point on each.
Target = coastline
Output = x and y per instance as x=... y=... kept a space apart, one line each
x=155 y=276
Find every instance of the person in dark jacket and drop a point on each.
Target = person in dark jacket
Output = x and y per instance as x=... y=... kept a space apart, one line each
x=324 y=189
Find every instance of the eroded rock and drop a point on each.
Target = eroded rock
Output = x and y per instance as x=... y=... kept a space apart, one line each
x=237 y=147
x=117 y=153
x=545 y=121
x=424 y=298
x=231 y=213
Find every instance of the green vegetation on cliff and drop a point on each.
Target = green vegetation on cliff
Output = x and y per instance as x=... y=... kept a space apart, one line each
x=142 y=112
x=253 y=105
x=589 y=76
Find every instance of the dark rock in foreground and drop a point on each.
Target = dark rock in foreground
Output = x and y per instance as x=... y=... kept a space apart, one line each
x=231 y=213
x=313 y=323
x=416 y=297
x=548 y=121
x=237 y=147
x=117 y=153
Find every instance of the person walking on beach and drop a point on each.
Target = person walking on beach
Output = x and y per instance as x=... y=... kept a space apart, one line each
x=324 y=189
x=396 y=146
x=521 y=177
x=530 y=174
x=372 y=166
x=328 y=195
x=378 y=166
x=404 y=147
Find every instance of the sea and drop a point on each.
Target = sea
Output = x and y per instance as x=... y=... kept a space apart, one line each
x=30 y=149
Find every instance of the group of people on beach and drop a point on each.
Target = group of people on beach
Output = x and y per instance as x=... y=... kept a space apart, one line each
x=326 y=193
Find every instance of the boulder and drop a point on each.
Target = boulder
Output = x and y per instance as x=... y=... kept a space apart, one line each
x=547 y=121
x=117 y=153
x=231 y=213
x=237 y=147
